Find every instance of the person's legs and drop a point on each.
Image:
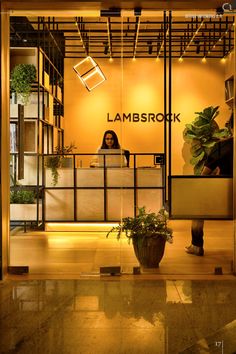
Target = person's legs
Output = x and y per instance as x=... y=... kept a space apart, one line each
x=197 y=232
x=196 y=246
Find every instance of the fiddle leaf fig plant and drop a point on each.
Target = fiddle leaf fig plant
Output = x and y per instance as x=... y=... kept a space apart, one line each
x=203 y=133
x=22 y=77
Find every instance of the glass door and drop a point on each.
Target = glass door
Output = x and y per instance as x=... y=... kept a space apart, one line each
x=135 y=80
x=201 y=135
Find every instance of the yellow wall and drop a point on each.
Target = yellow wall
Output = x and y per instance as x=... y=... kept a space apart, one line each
x=137 y=87
x=230 y=65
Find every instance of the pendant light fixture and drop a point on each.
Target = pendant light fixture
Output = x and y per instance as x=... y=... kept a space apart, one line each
x=89 y=73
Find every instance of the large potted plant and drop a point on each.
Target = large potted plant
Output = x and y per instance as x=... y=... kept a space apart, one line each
x=149 y=233
x=203 y=133
x=22 y=77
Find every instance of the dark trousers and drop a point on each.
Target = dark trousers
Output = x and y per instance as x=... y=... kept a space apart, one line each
x=197 y=232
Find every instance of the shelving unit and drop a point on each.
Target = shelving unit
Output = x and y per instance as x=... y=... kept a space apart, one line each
x=229 y=91
x=43 y=127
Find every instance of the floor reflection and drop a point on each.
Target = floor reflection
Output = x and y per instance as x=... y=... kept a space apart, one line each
x=117 y=316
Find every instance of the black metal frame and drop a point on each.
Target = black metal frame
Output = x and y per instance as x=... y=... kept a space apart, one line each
x=53 y=64
x=105 y=188
x=193 y=36
x=175 y=36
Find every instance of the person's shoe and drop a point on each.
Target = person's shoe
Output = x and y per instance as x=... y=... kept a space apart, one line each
x=198 y=251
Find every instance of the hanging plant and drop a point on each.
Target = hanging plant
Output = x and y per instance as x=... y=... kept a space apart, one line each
x=54 y=162
x=22 y=77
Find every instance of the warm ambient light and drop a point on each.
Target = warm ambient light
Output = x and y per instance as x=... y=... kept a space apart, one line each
x=181 y=59
x=223 y=60
x=89 y=73
x=79 y=226
x=204 y=60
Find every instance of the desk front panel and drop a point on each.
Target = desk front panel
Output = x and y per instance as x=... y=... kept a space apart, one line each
x=100 y=195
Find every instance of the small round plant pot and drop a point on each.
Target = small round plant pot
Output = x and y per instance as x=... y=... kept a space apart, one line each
x=149 y=251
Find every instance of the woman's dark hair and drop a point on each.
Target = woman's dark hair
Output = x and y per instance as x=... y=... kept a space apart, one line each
x=116 y=144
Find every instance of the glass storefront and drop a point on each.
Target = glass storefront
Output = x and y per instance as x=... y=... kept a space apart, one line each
x=160 y=70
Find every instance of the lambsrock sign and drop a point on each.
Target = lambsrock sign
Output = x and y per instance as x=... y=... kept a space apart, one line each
x=143 y=117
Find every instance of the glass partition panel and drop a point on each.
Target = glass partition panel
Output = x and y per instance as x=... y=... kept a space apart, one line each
x=201 y=197
x=154 y=83
x=202 y=104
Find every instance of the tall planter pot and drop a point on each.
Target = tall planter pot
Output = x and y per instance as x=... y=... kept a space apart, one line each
x=149 y=251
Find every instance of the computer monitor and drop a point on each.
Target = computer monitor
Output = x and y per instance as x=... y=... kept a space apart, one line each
x=113 y=158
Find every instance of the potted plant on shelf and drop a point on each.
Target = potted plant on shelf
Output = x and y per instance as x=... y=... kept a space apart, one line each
x=22 y=196
x=54 y=162
x=202 y=134
x=23 y=204
x=149 y=233
x=22 y=77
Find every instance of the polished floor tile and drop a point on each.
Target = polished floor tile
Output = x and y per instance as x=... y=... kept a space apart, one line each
x=117 y=316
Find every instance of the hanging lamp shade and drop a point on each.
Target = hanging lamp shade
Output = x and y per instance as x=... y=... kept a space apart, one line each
x=89 y=73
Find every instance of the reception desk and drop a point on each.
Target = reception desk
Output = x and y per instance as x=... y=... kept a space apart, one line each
x=98 y=194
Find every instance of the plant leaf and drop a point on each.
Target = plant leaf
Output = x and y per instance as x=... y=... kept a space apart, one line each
x=202 y=134
x=199 y=167
x=195 y=160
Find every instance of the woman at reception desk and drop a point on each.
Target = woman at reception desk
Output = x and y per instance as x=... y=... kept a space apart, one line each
x=114 y=189
x=116 y=157
x=110 y=190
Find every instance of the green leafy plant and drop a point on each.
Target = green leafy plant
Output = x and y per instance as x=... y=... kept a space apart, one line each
x=145 y=226
x=21 y=196
x=22 y=77
x=55 y=161
x=202 y=134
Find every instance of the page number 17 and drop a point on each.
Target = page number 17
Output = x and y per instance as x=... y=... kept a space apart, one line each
x=220 y=344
